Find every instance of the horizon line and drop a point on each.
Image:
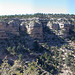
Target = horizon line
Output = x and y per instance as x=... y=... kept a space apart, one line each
x=39 y=13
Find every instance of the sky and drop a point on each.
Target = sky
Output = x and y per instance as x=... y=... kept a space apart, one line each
x=12 y=7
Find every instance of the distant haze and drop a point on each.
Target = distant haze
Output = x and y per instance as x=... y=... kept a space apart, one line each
x=12 y=7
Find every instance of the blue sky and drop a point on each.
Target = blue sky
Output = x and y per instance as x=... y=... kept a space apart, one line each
x=11 y=7
x=72 y=6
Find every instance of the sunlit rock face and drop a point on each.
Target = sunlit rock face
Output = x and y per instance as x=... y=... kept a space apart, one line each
x=35 y=30
x=61 y=27
x=23 y=26
x=53 y=25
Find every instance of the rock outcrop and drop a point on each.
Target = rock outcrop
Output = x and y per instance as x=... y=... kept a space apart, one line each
x=53 y=25
x=35 y=30
x=13 y=27
x=10 y=28
x=35 y=27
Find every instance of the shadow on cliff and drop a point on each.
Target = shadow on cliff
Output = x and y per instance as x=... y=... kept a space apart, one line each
x=72 y=34
x=52 y=39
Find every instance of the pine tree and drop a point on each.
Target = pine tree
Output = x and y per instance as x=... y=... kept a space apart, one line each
x=5 y=67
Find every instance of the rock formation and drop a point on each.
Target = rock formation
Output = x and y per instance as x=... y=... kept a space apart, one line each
x=35 y=30
x=34 y=27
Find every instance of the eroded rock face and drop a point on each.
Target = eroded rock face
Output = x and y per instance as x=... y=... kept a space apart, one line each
x=53 y=25
x=35 y=30
x=11 y=27
x=23 y=26
x=33 y=26
x=3 y=29
x=61 y=27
